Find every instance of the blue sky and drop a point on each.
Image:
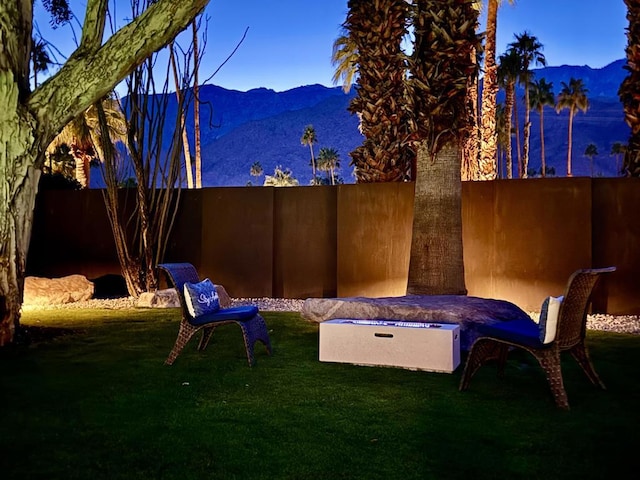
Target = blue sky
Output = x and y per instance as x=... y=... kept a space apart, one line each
x=289 y=42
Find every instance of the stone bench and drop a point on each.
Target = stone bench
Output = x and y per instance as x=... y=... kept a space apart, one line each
x=468 y=312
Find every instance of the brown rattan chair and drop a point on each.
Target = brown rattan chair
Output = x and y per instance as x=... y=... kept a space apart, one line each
x=252 y=324
x=496 y=340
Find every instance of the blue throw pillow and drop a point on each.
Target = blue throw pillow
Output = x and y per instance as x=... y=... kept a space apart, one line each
x=548 y=323
x=201 y=298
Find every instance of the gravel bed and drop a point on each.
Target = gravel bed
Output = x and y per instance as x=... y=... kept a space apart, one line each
x=609 y=323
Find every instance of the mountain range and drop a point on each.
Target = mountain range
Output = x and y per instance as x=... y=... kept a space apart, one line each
x=240 y=128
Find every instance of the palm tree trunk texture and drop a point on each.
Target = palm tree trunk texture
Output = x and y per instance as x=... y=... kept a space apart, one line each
x=185 y=138
x=508 y=105
x=470 y=169
x=196 y=106
x=570 y=142
x=516 y=123
x=488 y=136
x=436 y=264
x=527 y=132
x=543 y=163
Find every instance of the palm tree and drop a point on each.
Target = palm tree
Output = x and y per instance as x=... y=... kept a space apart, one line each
x=508 y=71
x=328 y=161
x=618 y=149
x=541 y=95
x=344 y=58
x=377 y=30
x=574 y=97
x=82 y=137
x=503 y=136
x=590 y=152
x=440 y=65
x=280 y=178
x=256 y=169
x=629 y=91
x=309 y=138
x=488 y=137
x=530 y=51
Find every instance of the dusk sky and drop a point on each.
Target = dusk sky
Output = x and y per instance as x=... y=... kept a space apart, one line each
x=289 y=42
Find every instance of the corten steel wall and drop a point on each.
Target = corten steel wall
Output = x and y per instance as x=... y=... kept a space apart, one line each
x=374 y=239
x=305 y=242
x=522 y=238
x=71 y=234
x=237 y=239
x=616 y=241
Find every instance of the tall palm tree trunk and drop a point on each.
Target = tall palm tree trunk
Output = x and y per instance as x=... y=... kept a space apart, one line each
x=517 y=128
x=436 y=264
x=488 y=135
x=527 y=132
x=543 y=164
x=508 y=105
x=471 y=166
x=185 y=138
x=196 y=106
x=570 y=143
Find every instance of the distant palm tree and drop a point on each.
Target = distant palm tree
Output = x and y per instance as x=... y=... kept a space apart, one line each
x=488 y=139
x=280 y=178
x=345 y=60
x=508 y=71
x=256 y=169
x=574 y=97
x=309 y=138
x=328 y=161
x=590 y=152
x=530 y=51
x=82 y=137
x=629 y=91
x=541 y=95
x=618 y=149
x=503 y=136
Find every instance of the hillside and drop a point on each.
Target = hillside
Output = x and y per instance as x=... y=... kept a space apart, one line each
x=240 y=128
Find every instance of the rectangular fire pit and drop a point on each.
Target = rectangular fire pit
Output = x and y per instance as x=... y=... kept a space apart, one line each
x=433 y=347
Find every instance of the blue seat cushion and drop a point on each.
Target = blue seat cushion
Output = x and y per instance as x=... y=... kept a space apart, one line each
x=521 y=331
x=227 y=314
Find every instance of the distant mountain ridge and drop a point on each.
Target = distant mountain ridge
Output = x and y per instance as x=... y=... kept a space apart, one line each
x=240 y=128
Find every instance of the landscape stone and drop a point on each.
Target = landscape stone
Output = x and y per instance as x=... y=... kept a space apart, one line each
x=57 y=291
x=168 y=298
x=466 y=311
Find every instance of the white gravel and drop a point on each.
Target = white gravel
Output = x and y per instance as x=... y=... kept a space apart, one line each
x=610 y=323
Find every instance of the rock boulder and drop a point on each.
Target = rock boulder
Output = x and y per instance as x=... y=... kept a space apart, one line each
x=56 y=291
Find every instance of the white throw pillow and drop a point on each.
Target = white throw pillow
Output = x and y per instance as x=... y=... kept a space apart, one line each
x=548 y=323
x=201 y=298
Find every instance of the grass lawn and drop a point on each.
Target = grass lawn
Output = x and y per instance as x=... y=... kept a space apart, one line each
x=90 y=398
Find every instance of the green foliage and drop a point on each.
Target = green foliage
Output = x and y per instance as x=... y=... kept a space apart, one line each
x=91 y=398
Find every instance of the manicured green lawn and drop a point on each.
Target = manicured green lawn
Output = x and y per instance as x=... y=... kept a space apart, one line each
x=96 y=402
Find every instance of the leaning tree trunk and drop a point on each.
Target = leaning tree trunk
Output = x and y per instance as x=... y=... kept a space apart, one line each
x=18 y=187
x=29 y=120
x=436 y=264
x=570 y=143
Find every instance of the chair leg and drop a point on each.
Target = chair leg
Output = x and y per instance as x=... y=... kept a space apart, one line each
x=482 y=351
x=580 y=353
x=184 y=335
x=253 y=330
x=549 y=360
x=207 y=333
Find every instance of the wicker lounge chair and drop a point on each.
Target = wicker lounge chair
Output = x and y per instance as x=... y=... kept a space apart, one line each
x=247 y=317
x=496 y=340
